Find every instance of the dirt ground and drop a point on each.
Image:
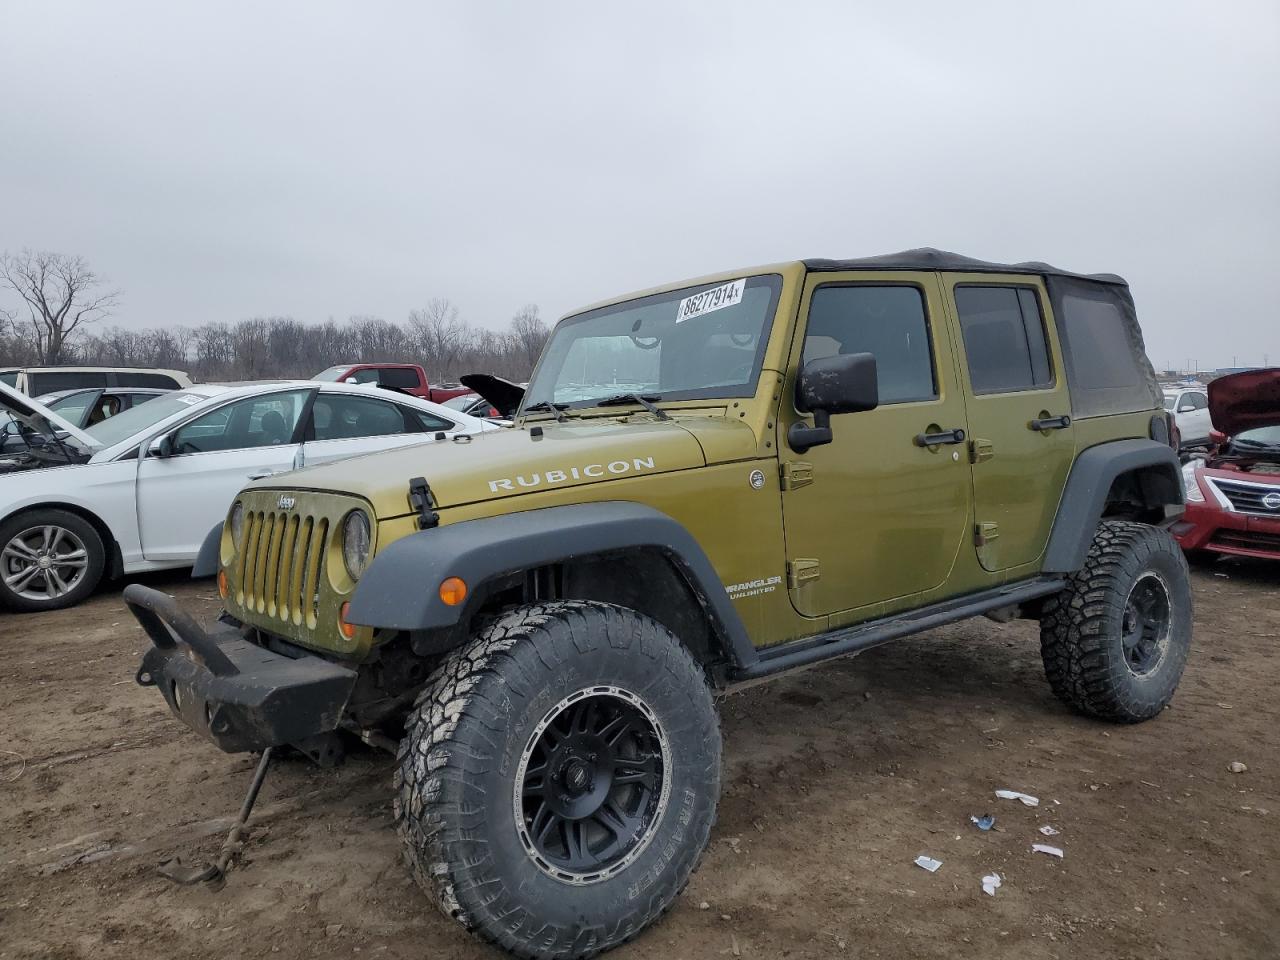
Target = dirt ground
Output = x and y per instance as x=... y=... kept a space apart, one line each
x=835 y=780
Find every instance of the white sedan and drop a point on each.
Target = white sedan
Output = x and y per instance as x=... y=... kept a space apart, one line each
x=140 y=490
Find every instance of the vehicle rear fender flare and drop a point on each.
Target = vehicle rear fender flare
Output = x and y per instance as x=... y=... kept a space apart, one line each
x=400 y=590
x=206 y=564
x=1149 y=468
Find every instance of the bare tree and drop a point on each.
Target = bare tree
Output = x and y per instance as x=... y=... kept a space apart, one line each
x=60 y=293
x=439 y=336
x=530 y=333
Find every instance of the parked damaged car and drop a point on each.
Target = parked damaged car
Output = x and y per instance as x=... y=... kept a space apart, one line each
x=138 y=491
x=1233 y=492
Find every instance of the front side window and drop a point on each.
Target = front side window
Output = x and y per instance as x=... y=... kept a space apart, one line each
x=886 y=321
x=1004 y=339
x=703 y=342
x=267 y=421
x=73 y=406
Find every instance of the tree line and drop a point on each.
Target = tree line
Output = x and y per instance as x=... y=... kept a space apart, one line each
x=61 y=305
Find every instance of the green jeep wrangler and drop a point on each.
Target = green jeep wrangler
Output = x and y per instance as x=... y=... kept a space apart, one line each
x=706 y=484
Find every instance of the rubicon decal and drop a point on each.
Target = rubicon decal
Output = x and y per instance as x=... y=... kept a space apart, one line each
x=590 y=471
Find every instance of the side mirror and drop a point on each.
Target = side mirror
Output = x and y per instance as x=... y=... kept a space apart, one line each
x=845 y=383
x=161 y=447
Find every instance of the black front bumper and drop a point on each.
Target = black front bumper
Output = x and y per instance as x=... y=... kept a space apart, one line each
x=238 y=694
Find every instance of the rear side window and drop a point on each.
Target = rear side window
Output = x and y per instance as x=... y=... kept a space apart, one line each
x=339 y=417
x=1004 y=341
x=399 y=378
x=48 y=382
x=887 y=321
x=1107 y=365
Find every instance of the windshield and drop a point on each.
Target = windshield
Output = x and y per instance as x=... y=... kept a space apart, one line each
x=136 y=419
x=333 y=373
x=1265 y=435
x=698 y=342
x=461 y=402
x=9 y=377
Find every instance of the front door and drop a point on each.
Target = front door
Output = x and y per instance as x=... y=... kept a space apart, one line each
x=181 y=497
x=1021 y=435
x=882 y=511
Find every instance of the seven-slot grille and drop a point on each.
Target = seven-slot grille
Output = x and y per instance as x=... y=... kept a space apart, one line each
x=279 y=565
x=1248 y=498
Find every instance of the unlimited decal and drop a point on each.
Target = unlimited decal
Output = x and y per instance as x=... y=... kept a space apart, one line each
x=591 y=471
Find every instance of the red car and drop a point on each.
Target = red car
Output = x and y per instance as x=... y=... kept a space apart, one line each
x=1233 y=496
x=404 y=377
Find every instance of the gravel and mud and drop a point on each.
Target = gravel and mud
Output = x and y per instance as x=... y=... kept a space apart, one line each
x=836 y=779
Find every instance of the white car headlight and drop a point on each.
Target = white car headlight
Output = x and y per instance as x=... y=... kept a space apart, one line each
x=1190 y=483
x=355 y=543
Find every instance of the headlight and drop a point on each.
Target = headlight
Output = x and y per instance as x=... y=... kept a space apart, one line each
x=1190 y=483
x=355 y=543
x=237 y=523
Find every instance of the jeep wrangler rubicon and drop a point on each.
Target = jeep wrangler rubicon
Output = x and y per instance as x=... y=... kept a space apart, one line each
x=707 y=484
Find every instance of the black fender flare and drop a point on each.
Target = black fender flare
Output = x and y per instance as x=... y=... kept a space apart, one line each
x=400 y=590
x=1084 y=499
x=206 y=564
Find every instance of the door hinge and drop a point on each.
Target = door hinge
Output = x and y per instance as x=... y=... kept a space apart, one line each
x=981 y=451
x=800 y=572
x=984 y=533
x=796 y=474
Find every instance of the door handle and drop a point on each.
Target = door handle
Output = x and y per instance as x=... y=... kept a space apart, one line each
x=942 y=436
x=261 y=475
x=1050 y=423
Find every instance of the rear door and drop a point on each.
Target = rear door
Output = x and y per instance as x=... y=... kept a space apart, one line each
x=1021 y=436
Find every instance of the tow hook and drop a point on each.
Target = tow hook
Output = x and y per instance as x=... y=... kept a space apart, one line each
x=214 y=873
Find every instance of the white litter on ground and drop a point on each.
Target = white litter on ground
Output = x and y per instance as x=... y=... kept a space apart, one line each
x=1026 y=798
x=1051 y=851
x=928 y=863
x=991 y=883
x=1048 y=831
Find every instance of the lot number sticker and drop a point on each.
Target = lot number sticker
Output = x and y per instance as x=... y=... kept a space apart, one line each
x=708 y=301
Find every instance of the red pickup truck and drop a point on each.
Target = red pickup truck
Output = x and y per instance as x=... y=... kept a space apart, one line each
x=406 y=377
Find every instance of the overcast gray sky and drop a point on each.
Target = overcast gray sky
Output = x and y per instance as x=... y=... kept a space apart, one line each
x=325 y=159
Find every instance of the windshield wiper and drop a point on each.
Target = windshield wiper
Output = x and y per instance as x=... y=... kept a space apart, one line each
x=644 y=399
x=555 y=409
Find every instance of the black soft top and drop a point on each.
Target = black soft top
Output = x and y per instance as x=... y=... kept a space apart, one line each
x=929 y=258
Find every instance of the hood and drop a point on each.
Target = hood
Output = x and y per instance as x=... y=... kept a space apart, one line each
x=1244 y=401
x=500 y=464
x=503 y=394
x=41 y=419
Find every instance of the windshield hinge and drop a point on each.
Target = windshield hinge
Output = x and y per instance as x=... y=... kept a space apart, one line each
x=423 y=504
x=796 y=474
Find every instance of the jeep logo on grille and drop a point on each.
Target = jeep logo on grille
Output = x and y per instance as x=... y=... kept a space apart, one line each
x=285 y=502
x=1271 y=501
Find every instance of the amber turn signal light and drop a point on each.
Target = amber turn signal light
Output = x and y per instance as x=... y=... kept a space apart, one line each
x=224 y=586
x=453 y=591
x=348 y=630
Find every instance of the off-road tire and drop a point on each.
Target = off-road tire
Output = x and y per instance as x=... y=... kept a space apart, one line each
x=463 y=748
x=1081 y=628
x=95 y=558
